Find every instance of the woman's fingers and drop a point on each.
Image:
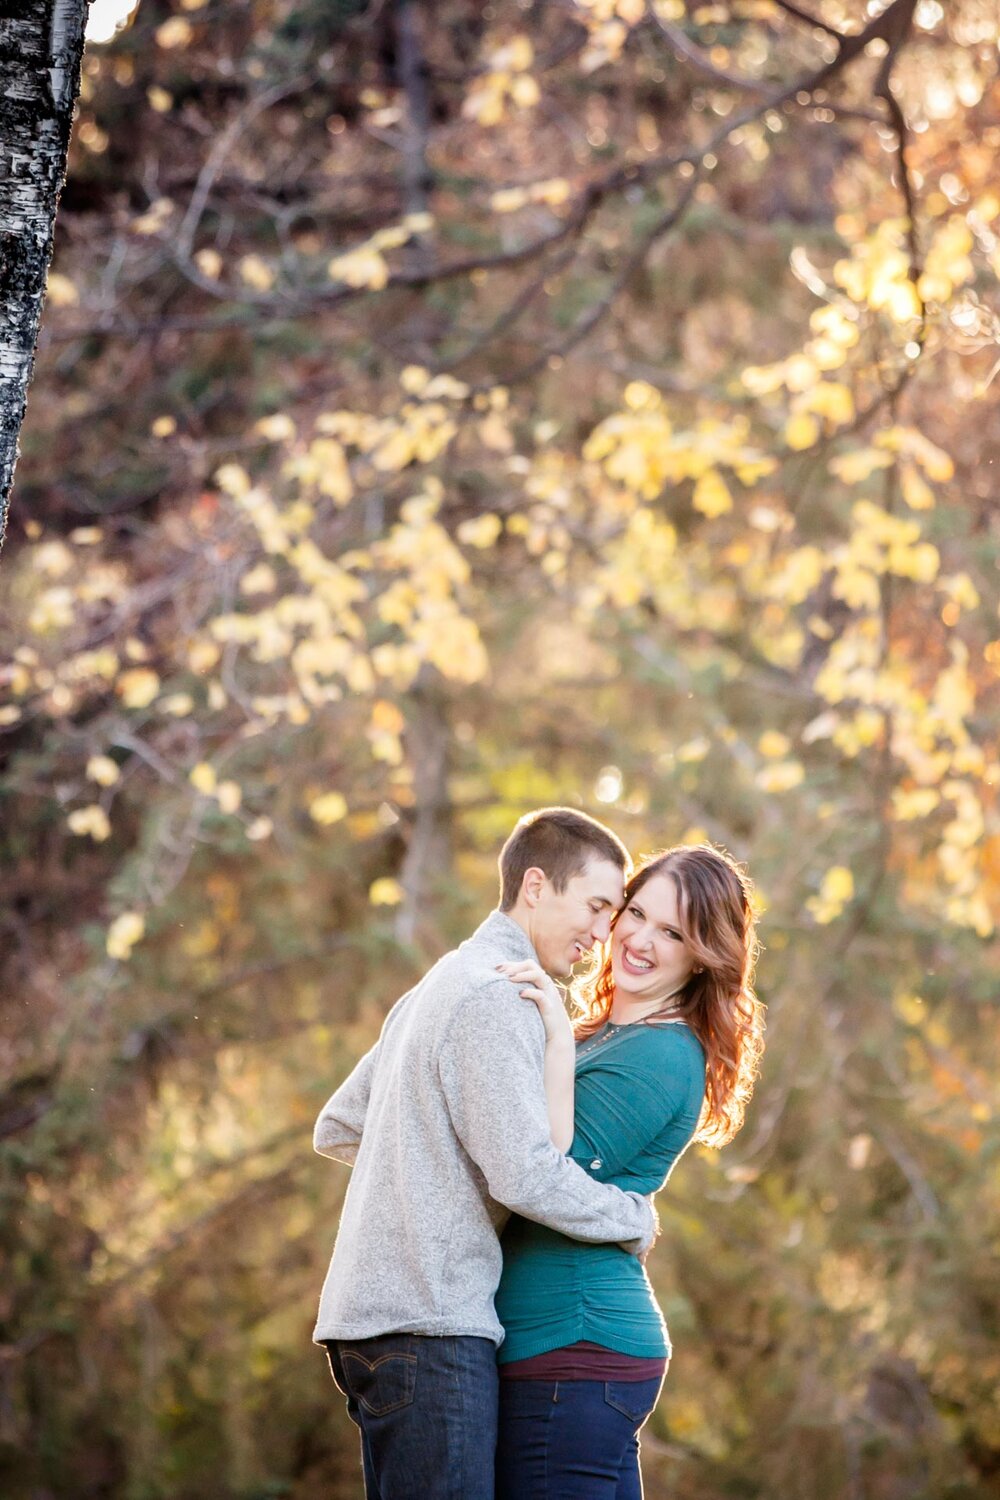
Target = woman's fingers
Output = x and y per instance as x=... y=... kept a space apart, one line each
x=524 y=970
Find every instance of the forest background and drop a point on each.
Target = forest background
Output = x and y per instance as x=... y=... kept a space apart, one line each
x=440 y=413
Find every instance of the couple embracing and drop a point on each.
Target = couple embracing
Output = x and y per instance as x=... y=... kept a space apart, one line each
x=486 y=1311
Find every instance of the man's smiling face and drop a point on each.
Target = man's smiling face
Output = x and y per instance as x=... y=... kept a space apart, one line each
x=565 y=925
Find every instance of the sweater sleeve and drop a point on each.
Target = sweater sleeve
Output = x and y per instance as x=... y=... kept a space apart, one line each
x=490 y=1067
x=341 y=1121
x=627 y=1102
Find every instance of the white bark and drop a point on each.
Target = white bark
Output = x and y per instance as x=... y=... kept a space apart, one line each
x=41 y=44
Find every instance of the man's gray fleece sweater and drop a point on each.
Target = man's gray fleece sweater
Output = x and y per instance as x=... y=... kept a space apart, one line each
x=445 y=1124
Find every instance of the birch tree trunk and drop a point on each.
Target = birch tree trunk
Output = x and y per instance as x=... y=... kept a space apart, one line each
x=41 y=44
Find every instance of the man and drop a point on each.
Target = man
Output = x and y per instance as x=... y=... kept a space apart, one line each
x=445 y=1123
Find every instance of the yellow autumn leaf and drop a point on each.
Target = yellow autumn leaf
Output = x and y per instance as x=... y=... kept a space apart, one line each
x=229 y=795
x=509 y=200
x=159 y=99
x=774 y=745
x=833 y=323
x=385 y=892
x=92 y=820
x=917 y=802
x=935 y=462
x=518 y=54
x=333 y=472
x=389 y=238
x=639 y=395
x=782 y=776
x=60 y=291
x=836 y=889
x=711 y=496
x=277 y=428
x=832 y=400
x=363 y=267
x=480 y=531
x=763 y=380
x=800 y=372
x=53 y=610
x=801 y=431
x=860 y=464
x=103 y=770
x=233 y=480
x=911 y=1008
x=838 y=884
x=414 y=379
x=174 y=33
x=553 y=191
x=256 y=273
x=202 y=778
x=484 y=102
x=495 y=433
x=177 y=704
x=454 y=646
x=123 y=934
x=914 y=488
x=960 y=590
x=386 y=717
x=446 y=386
x=328 y=808
x=259 y=580
x=524 y=91
x=137 y=687
x=155 y=218
x=209 y=263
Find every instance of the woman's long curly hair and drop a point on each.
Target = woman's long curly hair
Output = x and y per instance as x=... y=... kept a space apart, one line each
x=715 y=906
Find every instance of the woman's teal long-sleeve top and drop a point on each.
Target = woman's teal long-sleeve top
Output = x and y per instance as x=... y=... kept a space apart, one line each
x=639 y=1092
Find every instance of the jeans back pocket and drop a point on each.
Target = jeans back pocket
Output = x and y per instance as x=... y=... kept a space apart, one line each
x=635 y=1399
x=381 y=1385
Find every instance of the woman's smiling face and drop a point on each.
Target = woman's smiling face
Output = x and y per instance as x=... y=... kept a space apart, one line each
x=650 y=957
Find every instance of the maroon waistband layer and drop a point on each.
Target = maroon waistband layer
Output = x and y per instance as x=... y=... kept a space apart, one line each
x=583 y=1361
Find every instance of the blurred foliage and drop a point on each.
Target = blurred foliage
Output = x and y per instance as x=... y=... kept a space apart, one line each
x=436 y=416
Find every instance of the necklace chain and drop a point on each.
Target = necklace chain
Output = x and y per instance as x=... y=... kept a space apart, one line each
x=610 y=1030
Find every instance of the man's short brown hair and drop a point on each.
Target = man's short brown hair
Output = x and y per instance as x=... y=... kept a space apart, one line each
x=560 y=841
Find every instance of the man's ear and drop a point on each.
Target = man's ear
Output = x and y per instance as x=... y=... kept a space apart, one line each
x=532 y=885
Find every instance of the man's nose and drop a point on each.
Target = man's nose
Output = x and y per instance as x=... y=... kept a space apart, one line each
x=601 y=930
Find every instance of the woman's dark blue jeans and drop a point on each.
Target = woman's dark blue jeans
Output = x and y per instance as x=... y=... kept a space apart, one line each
x=427 y=1410
x=572 y=1439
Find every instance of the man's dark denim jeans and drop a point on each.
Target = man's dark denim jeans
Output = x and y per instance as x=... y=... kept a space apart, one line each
x=427 y=1410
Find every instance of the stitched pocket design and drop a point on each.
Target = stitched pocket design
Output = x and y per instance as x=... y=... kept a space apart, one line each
x=382 y=1385
x=631 y=1397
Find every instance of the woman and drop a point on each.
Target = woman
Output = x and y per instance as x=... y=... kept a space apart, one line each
x=667 y=1048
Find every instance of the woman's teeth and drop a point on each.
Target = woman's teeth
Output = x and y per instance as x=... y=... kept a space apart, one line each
x=637 y=963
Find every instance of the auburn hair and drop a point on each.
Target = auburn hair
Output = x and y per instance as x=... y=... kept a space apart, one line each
x=718 y=1003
